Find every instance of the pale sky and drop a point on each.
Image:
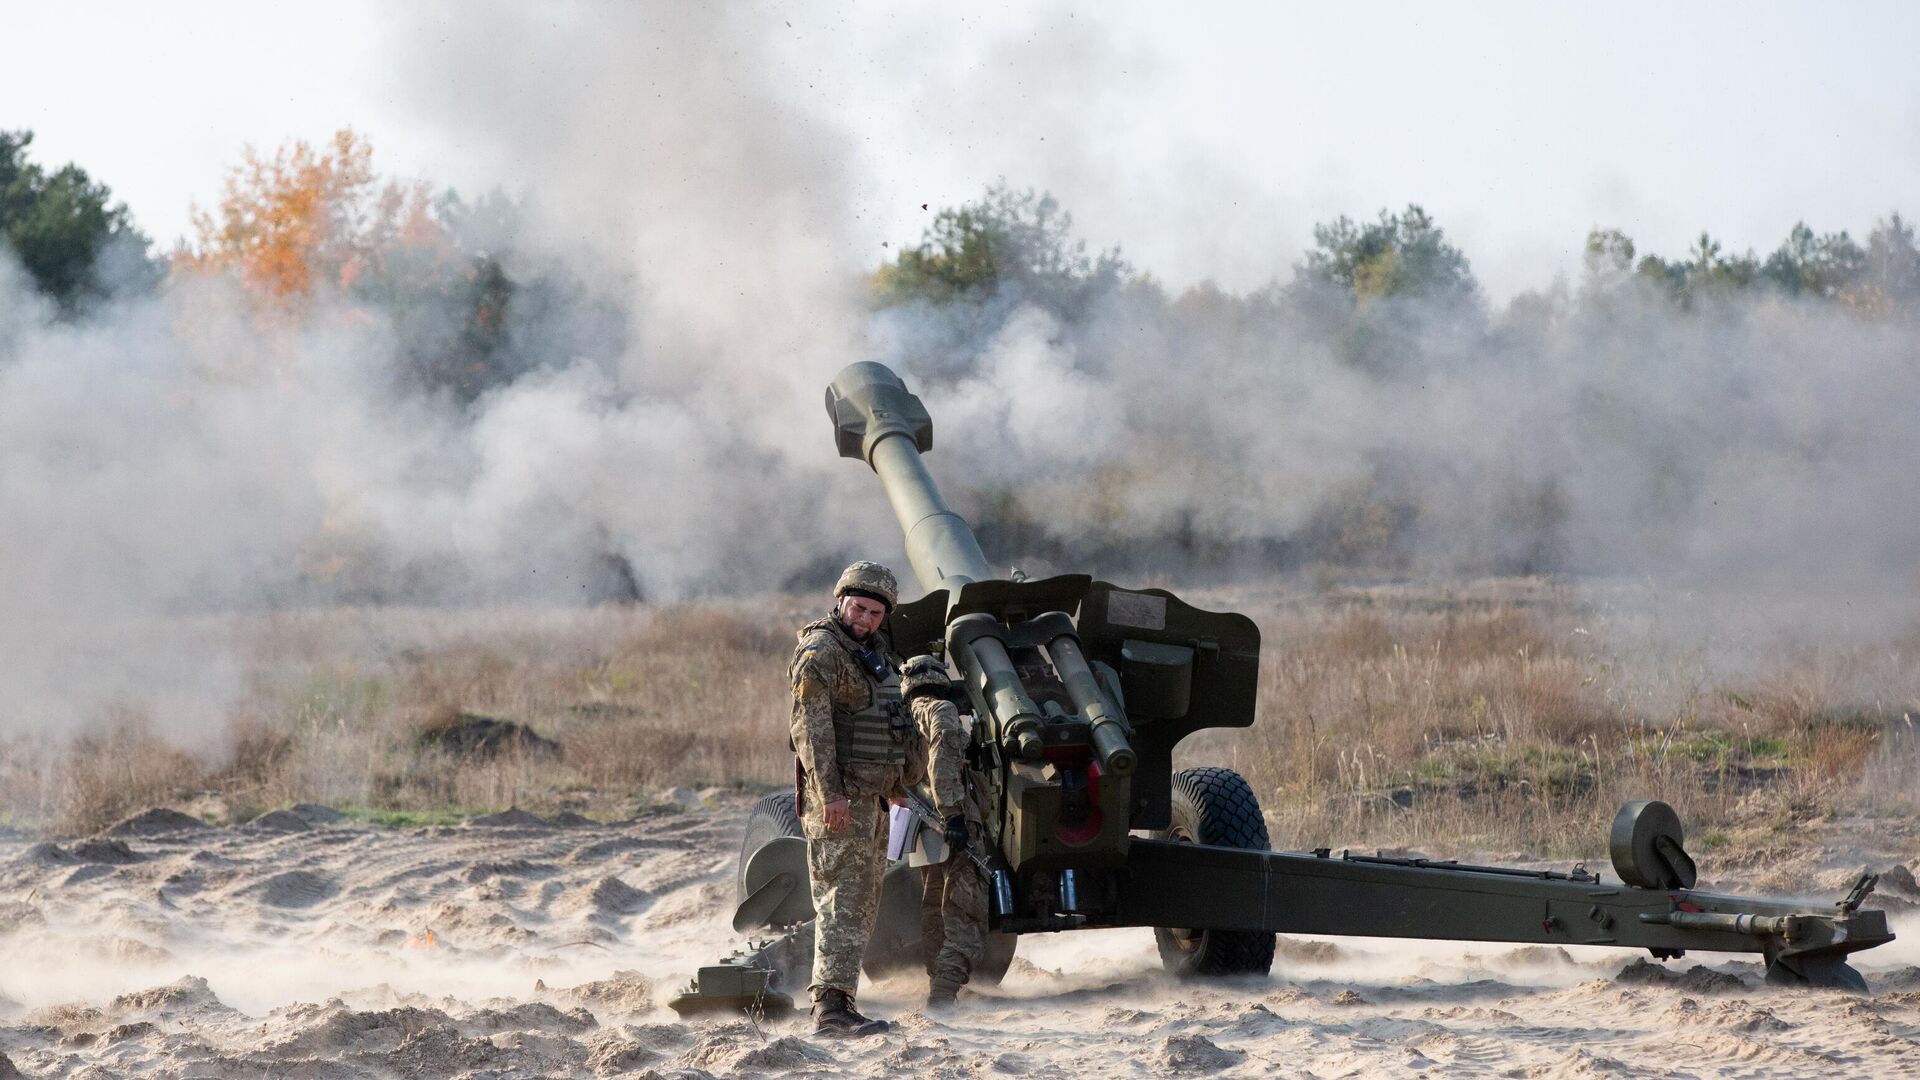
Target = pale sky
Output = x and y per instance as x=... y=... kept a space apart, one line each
x=1206 y=139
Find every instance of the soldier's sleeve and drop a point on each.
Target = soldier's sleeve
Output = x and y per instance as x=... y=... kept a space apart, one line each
x=812 y=727
x=918 y=750
x=945 y=736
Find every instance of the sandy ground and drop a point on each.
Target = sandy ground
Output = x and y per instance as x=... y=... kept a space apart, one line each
x=299 y=947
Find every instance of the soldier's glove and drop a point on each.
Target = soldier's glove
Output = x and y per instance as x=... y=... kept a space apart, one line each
x=955 y=833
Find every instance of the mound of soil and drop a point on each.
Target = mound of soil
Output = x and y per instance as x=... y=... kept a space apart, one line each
x=484 y=738
x=158 y=821
x=340 y=1028
x=737 y=1048
x=46 y=851
x=1698 y=979
x=1900 y=878
x=185 y=994
x=280 y=821
x=613 y=898
x=293 y=889
x=782 y=1055
x=626 y=992
x=1906 y=978
x=1195 y=1054
x=614 y=1055
x=315 y=814
x=1306 y=952
x=512 y=816
x=1536 y=956
x=123 y=1032
x=110 y=852
x=531 y=1016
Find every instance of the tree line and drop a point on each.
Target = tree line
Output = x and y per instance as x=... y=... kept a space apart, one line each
x=312 y=222
x=309 y=225
x=1024 y=240
x=1371 y=406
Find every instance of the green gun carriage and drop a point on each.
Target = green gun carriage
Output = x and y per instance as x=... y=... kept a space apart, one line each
x=1080 y=690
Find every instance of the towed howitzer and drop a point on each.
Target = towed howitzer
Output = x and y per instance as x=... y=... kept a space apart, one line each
x=1080 y=690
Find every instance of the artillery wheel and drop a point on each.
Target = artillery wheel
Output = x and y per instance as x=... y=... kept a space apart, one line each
x=772 y=817
x=1215 y=806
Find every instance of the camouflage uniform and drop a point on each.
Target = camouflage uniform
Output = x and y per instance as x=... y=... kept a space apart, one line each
x=845 y=750
x=953 y=898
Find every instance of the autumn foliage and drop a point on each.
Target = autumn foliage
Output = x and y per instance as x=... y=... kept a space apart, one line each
x=306 y=224
x=309 y=218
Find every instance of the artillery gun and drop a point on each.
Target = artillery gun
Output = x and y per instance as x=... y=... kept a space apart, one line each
x=1080 y=690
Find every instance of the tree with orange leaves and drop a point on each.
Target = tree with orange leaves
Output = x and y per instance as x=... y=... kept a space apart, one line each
x=307 y=222
x=305 y=219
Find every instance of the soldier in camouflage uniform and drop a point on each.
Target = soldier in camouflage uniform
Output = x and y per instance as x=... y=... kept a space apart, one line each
x=953 y=898
x=850 y=733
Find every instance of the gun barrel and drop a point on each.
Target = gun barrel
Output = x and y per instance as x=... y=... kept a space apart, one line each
x=977 y=647
x=940 y=545
x=877 y=420
x=1109 y=730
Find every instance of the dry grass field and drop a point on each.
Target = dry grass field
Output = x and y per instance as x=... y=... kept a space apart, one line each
x=1503 y=716
x=1499 y=720
x=1516 y=716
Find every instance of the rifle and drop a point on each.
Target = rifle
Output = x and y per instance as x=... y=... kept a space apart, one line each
x=923 y=809
x=999 y=881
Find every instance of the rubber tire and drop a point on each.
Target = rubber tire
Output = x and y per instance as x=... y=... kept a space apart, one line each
x=1215 y=806
x=772 y=817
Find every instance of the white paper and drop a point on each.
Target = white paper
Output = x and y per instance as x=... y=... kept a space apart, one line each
x=900 y=829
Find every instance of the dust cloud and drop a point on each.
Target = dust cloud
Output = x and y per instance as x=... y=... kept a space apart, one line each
x=302 y=945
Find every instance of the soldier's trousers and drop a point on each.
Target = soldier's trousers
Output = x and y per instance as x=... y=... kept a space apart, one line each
x=953 y=916
x=843 y=872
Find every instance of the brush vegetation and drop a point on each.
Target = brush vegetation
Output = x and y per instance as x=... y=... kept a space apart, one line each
x=1504 y=716
x=1519 y=715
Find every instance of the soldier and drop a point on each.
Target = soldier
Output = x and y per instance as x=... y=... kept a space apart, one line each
x=953 y=898
x=850 y=736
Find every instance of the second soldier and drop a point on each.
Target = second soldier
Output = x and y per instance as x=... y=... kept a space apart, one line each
x=953 y=899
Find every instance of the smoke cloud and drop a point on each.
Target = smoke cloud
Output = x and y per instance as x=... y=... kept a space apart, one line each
x=173 y=456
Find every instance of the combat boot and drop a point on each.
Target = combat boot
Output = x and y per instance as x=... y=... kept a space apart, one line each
x=942 y=995
x=835 y=1018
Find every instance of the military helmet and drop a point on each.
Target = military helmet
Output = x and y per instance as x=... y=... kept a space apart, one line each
x=922 y=674
x=868 y=579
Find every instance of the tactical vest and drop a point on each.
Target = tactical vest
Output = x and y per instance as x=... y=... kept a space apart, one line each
x=876 y=734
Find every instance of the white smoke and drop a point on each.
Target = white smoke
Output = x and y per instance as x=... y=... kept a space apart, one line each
x=178 y=454
x=175 y=456
x=1758 y=444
